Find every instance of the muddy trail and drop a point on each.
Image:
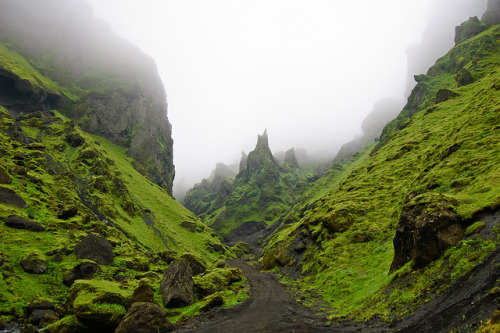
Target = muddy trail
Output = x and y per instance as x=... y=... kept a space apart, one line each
x=272 y=309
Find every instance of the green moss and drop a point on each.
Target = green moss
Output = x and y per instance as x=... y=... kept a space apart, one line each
x=474 y=228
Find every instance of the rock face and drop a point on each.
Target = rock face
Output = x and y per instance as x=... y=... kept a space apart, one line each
x=492 y=14
x=96 y=248
x=425 y=230
x=468 y=29
x=177 y=285
x=123 y=97
x=17 y=222
x=145 y=317
x=291 y=161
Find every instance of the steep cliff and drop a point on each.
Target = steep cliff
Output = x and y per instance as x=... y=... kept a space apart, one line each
x=120 y=95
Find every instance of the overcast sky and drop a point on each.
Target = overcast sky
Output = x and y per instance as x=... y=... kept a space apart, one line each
x=307 y=70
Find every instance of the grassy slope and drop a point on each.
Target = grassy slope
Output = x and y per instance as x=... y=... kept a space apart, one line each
x=349 y=268
x=49 y=174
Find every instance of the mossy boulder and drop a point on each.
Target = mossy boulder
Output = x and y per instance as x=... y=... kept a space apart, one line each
x=145 y=317
x=211 y=302
x=34 y=263
x=85 y=270
x=196 y=264
x=144 y=292
x=98 y=304
x=4 y=177
x=9 y=197
x=177 y=286
x=96 y=248
x=427 y=226
x=216 y=280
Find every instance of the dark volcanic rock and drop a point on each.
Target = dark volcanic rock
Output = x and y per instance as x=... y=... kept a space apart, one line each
x=17 y=222
x=177 y=285
x=444 y=95
x=4 y=177
x=194 y=263
x=96 y=248
x=34 y=264
x=425 y=230
x=143 y=317
x=464 y=77
x=67 y=212
x=9 y=197
x=84 y=270
x=45 y=315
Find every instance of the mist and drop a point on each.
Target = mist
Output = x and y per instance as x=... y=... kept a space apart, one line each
x=308 y=71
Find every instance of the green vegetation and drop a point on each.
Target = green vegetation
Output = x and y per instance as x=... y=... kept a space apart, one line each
x=348 y=218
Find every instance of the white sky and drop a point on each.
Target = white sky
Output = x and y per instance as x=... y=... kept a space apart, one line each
x=307 y=70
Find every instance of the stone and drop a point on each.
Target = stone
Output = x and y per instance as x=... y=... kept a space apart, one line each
x=464 y=77
x=9 y=197
x=34 y=263
x=95 y=248
x=29 y=329
x=196 y=265
x=67 y=212
x=84 y=271
x=143 y=293
x=426 y=228
x=4 y=177
x=42 y=314
x=211 y=302
x=444 y=95
x=145 y=317
x=177 y=285
x=17 y=222
x=168 y=256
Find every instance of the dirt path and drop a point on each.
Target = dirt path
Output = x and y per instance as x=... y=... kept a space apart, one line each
x=270 y=309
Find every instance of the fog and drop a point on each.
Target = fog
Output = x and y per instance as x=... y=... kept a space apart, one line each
x=308 y=71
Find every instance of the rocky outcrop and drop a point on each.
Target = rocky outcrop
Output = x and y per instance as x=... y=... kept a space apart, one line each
x=468 y=29
x=291 y=162
x=427 y=227
x=492 y=14
x=122 y=97
x=96 y=248
x=444 y=94
x=145 y=317
x=177 y=286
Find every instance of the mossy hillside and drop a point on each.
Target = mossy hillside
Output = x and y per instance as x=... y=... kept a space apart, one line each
x=448 y=149
x=19 y=66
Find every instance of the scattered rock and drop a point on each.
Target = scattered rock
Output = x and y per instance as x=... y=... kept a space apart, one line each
x=34 y=263
x=84 y=270
x=211 y=302
x=28 y=329
x=67 y=212
x=177 y=285
x=143 y=293
x=145 y=317
x=17 y=222
x=427 y=227
x=46 y=316
x=444 y=95
x=4 y=177
x=464 y=77
x=95 y=248
x=9 y=197
x=196 y=264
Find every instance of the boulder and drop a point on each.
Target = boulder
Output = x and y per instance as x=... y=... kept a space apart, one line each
x=4 y=177
x=144 y=317
x=34 y=263
x=211 y=302
x=67 y=212
x=95 y=248
x=427 y=227
x=464 y=77
x=17 y=222
x=444 y=95
x=43 y=315
x=177 y=285
x=143 y=293
x=196 y=264
x=84 y=270
x=9 y=197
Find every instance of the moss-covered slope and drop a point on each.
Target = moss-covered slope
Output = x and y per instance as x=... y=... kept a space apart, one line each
x=440 y=155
